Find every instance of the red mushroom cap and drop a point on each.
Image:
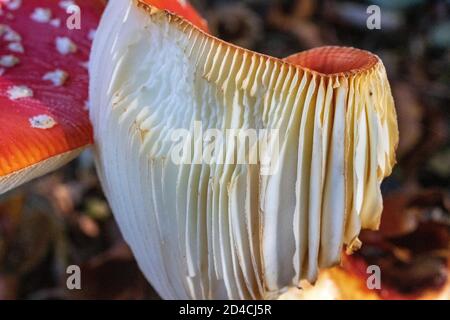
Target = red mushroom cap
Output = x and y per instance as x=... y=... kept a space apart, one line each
x=43 y=85
x=181 y=8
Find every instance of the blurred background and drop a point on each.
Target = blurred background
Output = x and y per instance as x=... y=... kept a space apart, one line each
x=64 y=219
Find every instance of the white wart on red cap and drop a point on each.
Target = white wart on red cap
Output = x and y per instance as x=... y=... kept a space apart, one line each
x=43 y=86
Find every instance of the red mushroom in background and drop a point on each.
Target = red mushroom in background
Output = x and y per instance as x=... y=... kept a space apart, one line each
x=43 y=85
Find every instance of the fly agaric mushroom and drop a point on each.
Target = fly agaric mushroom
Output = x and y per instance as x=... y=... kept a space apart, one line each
x=219 y=230
x=43 y=86
x=224 y=230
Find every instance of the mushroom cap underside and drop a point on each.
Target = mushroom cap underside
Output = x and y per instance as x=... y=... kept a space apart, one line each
x=227 y=230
